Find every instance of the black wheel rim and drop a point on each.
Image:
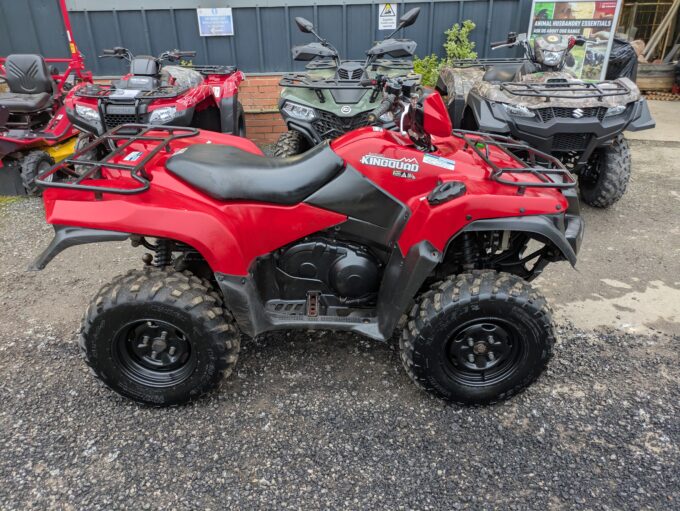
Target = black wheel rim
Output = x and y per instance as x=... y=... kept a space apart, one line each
x=154 y=353
x=484 y=351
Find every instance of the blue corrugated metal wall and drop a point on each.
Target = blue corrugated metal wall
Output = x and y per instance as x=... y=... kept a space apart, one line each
x=263 y=37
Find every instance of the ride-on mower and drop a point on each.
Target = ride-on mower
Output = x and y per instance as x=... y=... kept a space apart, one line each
x=204 y=96
x=34 y=129
x=537 y=100
x=331 y=97
x=441 y=229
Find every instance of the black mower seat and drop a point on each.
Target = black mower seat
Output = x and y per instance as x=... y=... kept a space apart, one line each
x=228 y=173
x=25 y=103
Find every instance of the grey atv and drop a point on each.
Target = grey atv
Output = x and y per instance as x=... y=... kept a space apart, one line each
x=335 y=96
x=536 y=99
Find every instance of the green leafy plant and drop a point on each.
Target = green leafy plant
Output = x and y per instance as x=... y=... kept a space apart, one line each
x=457 y=46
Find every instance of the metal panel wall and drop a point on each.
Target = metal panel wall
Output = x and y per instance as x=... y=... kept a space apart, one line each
x=264 y=30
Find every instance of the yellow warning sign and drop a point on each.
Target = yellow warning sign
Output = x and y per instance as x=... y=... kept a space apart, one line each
x=387 y=16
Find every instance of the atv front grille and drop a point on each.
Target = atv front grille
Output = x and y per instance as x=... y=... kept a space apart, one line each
x=330 y=126
x=550 y=113
x=564 y=142
x=113 y=120
x=353 y=74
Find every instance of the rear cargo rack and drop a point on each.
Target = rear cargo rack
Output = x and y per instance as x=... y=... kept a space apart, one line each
x=141 y=133
x=564 y=89
x=546 y=168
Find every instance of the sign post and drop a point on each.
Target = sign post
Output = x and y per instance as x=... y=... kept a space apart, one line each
x=387 y=16
x=595 y=21
x=215 y=22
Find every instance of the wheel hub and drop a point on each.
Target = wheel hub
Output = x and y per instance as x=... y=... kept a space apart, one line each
x=480 y=346
x=155 y=345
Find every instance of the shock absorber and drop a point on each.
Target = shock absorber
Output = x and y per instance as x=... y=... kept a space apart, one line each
x=162 y=253
x=469 y=253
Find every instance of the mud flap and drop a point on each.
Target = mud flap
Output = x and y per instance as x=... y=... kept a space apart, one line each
x=229 y=115
x=643 y=118
x=65 y=237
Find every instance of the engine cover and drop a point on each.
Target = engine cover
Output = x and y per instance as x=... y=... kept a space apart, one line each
x=347 y=271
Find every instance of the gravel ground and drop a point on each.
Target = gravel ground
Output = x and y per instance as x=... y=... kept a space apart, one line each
x=317 y=420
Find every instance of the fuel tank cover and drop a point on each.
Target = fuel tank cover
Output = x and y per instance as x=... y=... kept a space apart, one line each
x=445 y=192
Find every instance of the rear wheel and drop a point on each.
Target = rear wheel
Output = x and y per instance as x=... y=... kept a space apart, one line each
x=32 y=165
x=159 y=337
x=290 y=143
x=478 y=338
x=606 y=178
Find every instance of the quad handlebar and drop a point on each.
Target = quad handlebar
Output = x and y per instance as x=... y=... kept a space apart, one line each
x=123 y=53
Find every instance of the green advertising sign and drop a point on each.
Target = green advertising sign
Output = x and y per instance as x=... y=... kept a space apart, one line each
x=595 y=21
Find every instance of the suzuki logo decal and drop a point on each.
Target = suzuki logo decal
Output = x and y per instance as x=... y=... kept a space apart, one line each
x=577 y=113
x=346 y=110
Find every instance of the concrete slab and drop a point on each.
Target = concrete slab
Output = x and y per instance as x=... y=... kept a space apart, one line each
x=667 y=117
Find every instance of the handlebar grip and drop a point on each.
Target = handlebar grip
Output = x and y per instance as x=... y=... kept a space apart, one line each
x=107 y=51
x=186 y=53
x=383 y=108
x=368 y=82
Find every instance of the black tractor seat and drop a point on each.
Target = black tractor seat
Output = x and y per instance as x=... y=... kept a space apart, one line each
x=31 y=87
x=228 y=173
x=25 y=103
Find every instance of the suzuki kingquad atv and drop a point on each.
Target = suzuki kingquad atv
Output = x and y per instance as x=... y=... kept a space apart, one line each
x=34 y=129
x=538 y=101
x=331 y=97
x=352 y=235
x=204 y=97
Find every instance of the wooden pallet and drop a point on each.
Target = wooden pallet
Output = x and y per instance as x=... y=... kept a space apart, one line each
x=662 y=96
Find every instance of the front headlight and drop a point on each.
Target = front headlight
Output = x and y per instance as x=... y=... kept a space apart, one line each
x=162 y=115
x=304 y=113
x=519 y=110
x=615 y=110
x=551 y=58
x=87 y=113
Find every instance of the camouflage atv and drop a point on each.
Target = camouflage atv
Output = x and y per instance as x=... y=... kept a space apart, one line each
x=335 y=96
x=536 y=99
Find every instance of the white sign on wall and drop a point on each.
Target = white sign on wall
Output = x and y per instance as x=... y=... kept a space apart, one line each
x=387 y=16
x=215 y=21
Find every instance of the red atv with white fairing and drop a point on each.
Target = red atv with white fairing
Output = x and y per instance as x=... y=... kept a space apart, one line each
x=423 y=231
x=153 y=92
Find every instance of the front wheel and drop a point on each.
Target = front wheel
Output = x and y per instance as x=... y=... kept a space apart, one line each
x=290 y=143
x=478 y=338
x=604 y=181
x=32 y=165
x=159 y=337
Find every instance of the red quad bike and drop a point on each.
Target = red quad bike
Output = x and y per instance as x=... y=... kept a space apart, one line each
x=444 y=227
x=34 y=129
x=204 y=97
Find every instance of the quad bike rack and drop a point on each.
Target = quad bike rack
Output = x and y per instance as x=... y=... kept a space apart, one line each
x=563 y=89
x=548 y=169
x=211 y=69
x=144 y=133
x=483 y=63
x=99 y=91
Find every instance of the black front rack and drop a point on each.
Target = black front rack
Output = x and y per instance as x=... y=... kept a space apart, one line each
x=130 y=133
x=546 y=168
x=484 y=63
x=98 y=91
x=303 y=80
x=564 y=89
x=212 y=69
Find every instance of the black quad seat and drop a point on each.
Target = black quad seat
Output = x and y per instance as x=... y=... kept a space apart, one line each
x=228 y=173
x=503 y=73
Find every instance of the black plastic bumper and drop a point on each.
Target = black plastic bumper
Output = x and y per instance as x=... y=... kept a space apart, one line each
x=561 y=134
